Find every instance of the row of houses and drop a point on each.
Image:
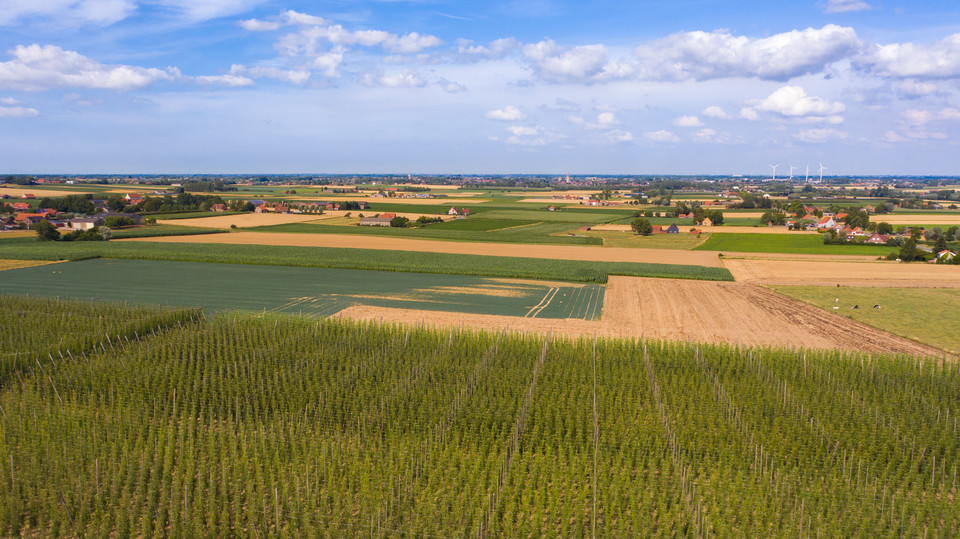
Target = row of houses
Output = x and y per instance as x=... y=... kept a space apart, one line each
x=29 y=220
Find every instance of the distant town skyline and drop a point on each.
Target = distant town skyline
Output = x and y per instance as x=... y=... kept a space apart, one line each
x=513 y=86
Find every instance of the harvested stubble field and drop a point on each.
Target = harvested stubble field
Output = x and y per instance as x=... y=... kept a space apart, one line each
x=15 y=264
x=785 y=271
x=678 y=310
x=560 y=252
x=918 y=219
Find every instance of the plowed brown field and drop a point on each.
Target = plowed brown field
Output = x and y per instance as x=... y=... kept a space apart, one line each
x=697 y=311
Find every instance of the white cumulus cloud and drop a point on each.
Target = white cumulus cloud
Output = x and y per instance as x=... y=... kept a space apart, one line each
x=559 y=64
x=523 y=131
x=687 y=121
x=711 y=55
x=715 y=112
x=36 y=67
x=940 y=60
x=794 y=101
x=506 y=114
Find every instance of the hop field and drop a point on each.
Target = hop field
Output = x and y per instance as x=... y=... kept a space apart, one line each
x=258 y=425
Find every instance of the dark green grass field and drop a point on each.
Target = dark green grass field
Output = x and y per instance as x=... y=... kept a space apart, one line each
x=309 y=291
x=786 y=243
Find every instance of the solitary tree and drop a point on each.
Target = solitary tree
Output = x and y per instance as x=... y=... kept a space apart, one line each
x=642 y=226
x=909 y=251
x=46 y=231
x=716 y=217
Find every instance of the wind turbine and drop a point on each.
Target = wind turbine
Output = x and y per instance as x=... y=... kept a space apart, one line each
x=774 y=167
x=807 y=179
x=791 y=172
x=822 y=168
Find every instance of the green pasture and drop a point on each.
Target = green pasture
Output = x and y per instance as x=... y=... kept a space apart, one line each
x=309 y=291
x=786 y=243
x=927 y=315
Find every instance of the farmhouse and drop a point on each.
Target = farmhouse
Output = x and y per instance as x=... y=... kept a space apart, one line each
x=826 y=222
x=29 y=219
x=85 y=224
x=877 y=239
x=28 y=195
x=673 y=229
x=218 y=207
x=133 y=198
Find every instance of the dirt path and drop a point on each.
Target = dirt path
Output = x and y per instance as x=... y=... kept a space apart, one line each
x=561 y=252
x=698 y=311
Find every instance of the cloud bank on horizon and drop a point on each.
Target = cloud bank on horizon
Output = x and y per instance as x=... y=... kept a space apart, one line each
x=493 y=87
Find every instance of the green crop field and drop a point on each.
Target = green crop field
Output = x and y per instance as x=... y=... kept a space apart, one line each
x=524 y=232
x=786 y=243
x=367 y=259
x=146 y=231
x=927 y=315
x=269 y=426
x=309 y=291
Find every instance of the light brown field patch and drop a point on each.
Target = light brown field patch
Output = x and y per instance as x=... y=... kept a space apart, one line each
x=784 y=271
x=699 y=311
x=16 y=264
x=17 y=234
x=498 y=291
x=918 y=219
x=561 y=252
x=17 y=192
x=245 y=220
x=685 y=229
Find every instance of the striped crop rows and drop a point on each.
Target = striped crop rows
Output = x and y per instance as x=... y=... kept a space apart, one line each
x=282 y=426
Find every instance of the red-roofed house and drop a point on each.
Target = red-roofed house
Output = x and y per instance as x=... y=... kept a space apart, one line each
x=826 y=222
x=27 y=195
x=21 y=206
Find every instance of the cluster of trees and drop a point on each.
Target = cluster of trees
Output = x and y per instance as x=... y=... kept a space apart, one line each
x=70 y=204
x=168 y=203
x=749 y=201
x=47 y=232
x=198 y=186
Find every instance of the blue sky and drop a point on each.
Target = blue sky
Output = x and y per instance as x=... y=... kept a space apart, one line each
x=497 y=86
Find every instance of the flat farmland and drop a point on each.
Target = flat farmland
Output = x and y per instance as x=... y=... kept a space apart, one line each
x=681 y=310
x=928 y=315
x=246 y=220
x=844 y=273
x=562 y=252
x=714 y=229
x=948 y=219
x=307 y=291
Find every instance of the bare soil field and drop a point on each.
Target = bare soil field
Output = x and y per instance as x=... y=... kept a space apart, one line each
x=918 y=219
x=700 y=311
x=246 y=220
x=771 y=271
x=685 y=228
x=562 y=252
x=17 y=233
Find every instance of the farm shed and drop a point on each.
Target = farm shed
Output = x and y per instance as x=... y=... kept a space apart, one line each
x=673 y=229
x=374 y=221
